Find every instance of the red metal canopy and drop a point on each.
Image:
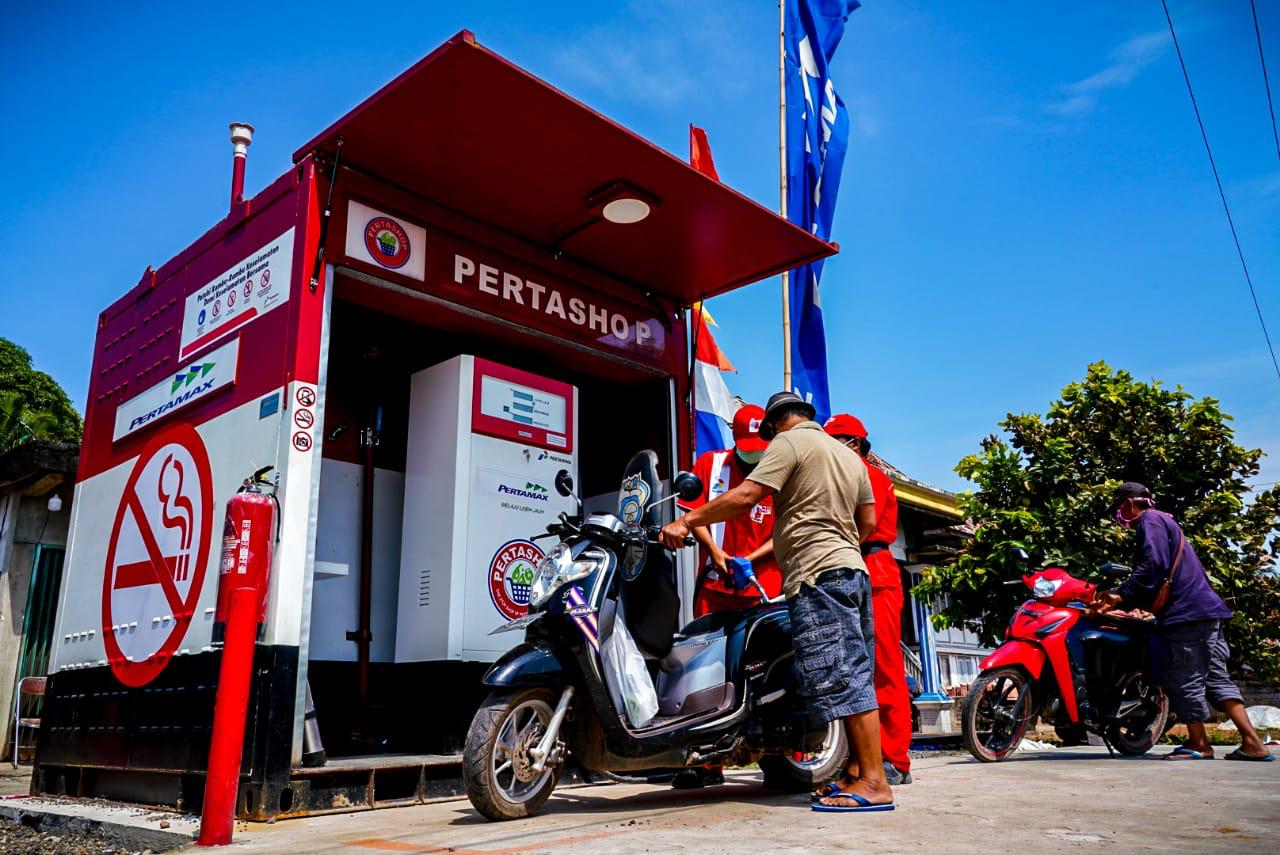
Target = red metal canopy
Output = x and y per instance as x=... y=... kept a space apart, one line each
x=474 y=133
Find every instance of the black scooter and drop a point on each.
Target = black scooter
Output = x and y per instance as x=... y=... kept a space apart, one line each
x=725 y=688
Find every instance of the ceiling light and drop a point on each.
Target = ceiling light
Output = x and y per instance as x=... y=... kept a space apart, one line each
x=626 y=210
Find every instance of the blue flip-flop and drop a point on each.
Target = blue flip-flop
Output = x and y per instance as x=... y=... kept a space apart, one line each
x=828 y=791
x=1239 y=754
x=862 y=806
x=1187 y=753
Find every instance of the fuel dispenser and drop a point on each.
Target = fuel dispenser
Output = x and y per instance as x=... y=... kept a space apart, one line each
x=485 y=442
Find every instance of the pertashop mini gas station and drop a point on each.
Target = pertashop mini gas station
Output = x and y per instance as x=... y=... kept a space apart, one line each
x=464 y=285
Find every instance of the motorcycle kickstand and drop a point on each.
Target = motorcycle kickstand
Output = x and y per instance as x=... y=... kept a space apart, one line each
x=1107 y=742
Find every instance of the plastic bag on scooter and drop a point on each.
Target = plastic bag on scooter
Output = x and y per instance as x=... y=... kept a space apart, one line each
x=630 y=688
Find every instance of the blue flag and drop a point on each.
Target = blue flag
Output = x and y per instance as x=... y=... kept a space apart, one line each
x=817 y=129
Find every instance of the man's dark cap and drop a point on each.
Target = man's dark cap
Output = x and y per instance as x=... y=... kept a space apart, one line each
x=1130 y=490
x=786 y=400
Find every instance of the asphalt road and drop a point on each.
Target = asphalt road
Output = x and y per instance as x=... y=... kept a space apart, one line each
x=1066 y=799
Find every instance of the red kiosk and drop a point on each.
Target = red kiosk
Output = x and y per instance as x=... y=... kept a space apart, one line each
x=467 y=209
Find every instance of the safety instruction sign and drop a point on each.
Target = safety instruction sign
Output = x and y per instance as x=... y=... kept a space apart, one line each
x=157 y=555
x=248 y=290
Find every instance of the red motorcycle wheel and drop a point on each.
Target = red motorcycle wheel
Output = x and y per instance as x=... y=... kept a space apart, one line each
x=996 y=714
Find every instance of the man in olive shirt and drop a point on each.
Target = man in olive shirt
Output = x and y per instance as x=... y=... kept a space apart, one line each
x=820 y=521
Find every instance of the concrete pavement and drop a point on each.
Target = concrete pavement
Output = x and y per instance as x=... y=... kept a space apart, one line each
x=1077 y=799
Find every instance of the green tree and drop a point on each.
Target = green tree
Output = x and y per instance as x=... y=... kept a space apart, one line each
x=1046 y=486
x=32 y=404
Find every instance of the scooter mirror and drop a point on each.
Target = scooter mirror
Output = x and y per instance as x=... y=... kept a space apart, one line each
x=564 y=483
x=687 y=486
x=1020 y=555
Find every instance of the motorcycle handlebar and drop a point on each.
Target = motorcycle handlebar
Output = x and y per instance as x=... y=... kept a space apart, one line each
x=651 y=535
x=567 y=528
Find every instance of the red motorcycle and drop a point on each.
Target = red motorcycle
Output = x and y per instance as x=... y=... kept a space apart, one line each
x=1083 y=672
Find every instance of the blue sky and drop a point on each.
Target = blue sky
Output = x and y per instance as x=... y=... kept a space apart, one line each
x=1025 y=190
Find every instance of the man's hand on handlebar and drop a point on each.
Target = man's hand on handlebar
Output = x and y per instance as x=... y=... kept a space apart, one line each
x=674 y=535
x=1104 y=602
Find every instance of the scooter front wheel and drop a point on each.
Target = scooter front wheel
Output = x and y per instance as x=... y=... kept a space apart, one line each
x=1136 y=734
x=997 y=711
x=497 y=768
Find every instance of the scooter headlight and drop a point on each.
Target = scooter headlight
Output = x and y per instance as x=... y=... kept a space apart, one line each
x=1044 y=588
x=559 y=568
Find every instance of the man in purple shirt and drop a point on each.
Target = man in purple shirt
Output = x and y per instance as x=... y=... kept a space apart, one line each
x=1194 y=670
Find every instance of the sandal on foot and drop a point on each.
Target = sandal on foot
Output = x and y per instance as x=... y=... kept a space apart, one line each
x=827 y=791
x=861 y=806
x=1187 y=754
x=1239 y=754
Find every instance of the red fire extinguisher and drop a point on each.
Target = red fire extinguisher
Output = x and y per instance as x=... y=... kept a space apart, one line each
x=248 y=540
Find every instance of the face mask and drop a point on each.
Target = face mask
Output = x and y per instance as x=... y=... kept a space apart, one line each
x=751 y=458
x=1127 y=522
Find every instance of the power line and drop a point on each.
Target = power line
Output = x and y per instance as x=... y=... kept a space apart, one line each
x=1221 y=193
x=1266 y=82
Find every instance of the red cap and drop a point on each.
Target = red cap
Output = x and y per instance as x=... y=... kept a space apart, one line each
x=844 y=424
x=746 y=429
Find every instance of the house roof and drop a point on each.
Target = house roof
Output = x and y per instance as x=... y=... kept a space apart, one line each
x=36 y=467
x=917 y=493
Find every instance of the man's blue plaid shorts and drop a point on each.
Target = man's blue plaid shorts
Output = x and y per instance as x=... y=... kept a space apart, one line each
x=833 y=634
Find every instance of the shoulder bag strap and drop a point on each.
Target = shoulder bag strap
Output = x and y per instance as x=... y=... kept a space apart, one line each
x=1177 y=561
x=1165 y=591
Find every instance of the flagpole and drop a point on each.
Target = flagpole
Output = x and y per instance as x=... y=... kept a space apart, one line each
x=782 y=186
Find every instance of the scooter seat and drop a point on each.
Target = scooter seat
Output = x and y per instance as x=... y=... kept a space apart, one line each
x=716 y=621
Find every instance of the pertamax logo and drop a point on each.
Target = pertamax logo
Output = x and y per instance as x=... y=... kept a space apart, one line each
x=190 y=383
x=537 y=492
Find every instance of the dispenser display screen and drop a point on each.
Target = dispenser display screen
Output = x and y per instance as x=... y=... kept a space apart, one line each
x=522 y=405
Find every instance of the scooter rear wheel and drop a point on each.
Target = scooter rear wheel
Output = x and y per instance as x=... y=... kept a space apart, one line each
x=793 y=773
x=496 y=764
x=997 y=711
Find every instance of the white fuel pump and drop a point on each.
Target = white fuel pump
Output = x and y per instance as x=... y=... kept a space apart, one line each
x=485 y=443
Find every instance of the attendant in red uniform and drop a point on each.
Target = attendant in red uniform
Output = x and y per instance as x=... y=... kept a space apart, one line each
x=749 y=537
x=886 y=602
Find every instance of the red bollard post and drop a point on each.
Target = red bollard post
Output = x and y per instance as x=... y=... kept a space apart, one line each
x=229 y=711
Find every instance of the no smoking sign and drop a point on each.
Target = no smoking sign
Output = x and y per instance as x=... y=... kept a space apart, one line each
x=157 y=555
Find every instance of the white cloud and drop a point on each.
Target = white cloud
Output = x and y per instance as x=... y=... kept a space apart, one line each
x=865 y=116
x=1127 y=61
x=657 y=53
x=1262 y=187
